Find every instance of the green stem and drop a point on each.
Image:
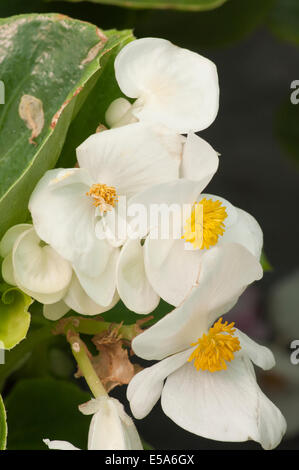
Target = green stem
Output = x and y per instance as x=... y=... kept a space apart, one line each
x=89 y=326
x=86 y=368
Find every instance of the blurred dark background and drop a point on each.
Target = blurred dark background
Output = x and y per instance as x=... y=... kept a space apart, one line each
x=257 y=134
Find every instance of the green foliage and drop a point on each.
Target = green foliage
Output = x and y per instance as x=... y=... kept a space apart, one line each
x=121 y=313
x=14 y=316
x=53 y=414
x=25 y=351
x=3 y=425
x=53 y=59
x=222 y=26
x=189 y=5
x=284 y=20
x=93 y=112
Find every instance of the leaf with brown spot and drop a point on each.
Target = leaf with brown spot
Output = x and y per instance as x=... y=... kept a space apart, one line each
x=31 y=111
x=47 y=81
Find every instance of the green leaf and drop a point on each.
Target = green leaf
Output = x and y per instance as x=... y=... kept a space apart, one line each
x=93 y=112
x=189 y=5
x=46 y=408
x=3 y=425
x=284 y=20
x=14 y=317
x=232 y=22
x=18 y=356
x=54 y=60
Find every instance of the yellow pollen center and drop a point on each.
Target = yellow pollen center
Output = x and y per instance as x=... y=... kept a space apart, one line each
x=215 y=347
x=205 y=224
x=104 y=196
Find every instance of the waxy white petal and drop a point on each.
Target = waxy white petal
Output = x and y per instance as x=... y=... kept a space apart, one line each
x=171 y=197
x=171 y=269
x=224 y=273
x=258 y=354
x=131 y=158
x=145 y=388
x=101 y=289
x=246 y=231
x=174 y=86
x=64 y=216
x=111 y=428
x=9 y=238
x=39 y=269
x=55 y=311
x=116 y=111
x=8 y=271
x=77 y=299
x=227 y=405
x=200 y=161
x=133 y=287
x=59 y=445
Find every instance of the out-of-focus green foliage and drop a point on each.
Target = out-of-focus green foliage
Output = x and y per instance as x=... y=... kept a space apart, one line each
x=284 y=20
x=191 y=5
x=120 y=313
x=3 y=425
x=53 y=414
x=27 y=351
x=54 y=60
x=222 y=26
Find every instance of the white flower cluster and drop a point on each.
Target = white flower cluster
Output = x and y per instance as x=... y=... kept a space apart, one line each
x=72 y=258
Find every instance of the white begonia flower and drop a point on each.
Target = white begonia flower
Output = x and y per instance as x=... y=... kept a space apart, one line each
x=38 y=270
x=34 y=267
x=69 y=206
x=110 y=428
x=170 y=267
x=199 y=162
x=174 y=87
x=170 y=260
x=210 y=387
x=43 y=274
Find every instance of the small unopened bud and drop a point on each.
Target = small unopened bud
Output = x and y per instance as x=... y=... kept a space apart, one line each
x=116 y=111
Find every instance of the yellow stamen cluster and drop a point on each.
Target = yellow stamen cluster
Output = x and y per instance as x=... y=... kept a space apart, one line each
x=216 y=347
x=104 y=196
x=205 y=224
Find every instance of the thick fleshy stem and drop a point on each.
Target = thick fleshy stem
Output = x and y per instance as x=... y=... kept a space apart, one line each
x=80 y=353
